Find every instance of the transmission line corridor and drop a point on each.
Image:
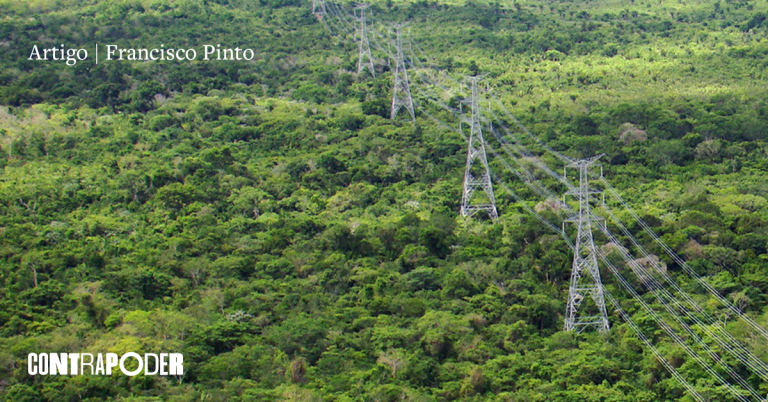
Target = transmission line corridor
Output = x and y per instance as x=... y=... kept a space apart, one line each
x=593 y=207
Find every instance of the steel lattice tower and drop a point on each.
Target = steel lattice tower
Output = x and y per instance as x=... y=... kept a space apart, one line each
x=401 y=94
x=475 y=179
x=585 y=275
x=318 y=8
x=364 y=46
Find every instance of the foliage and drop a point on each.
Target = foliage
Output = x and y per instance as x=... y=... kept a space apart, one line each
x=269 y=222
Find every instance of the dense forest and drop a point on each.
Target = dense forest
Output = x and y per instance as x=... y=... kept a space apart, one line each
x=269 y=221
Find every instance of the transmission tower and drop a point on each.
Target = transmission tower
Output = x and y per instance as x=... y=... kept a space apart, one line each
x=477 y=177
x=318 y=8
x=401 y=95
x=364 y=46
x=586 y=302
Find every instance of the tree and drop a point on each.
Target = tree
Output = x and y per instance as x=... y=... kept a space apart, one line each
x=394 y=359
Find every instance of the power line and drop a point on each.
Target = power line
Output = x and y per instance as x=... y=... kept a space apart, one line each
x=728 y=343
x=670 y=368
x=668 y=329
x=614 y=193
x=662 y=324
x=719 y=334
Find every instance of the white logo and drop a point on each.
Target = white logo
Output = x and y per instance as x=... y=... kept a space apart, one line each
x=102 y=364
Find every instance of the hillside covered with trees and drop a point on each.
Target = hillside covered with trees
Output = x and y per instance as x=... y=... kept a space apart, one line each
x=269 y=221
